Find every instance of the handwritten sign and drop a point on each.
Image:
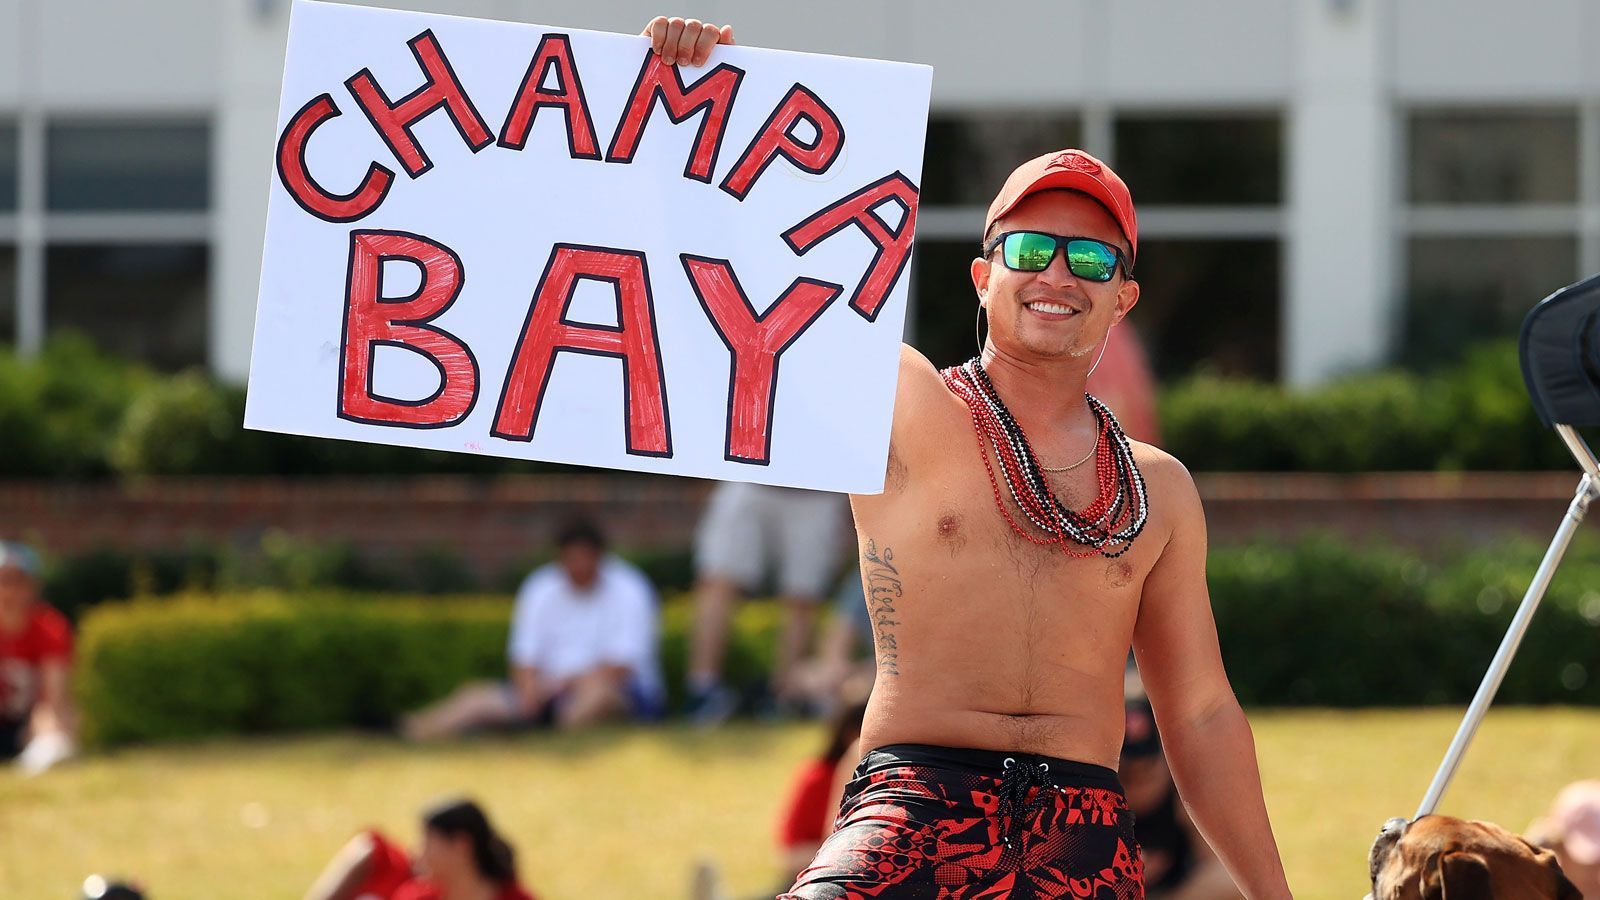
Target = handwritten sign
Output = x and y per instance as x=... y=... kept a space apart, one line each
x=536 y=243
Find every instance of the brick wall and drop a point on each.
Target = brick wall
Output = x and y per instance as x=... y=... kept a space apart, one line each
x=493 y=523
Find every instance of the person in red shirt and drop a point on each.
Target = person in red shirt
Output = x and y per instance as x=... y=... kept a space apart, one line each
x=462 y=858
x=37 y=724
x=815 y=791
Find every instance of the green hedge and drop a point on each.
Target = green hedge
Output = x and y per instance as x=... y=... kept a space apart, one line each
x=283 y=562
x=1313 y=624
x=1322 y=624
x=75 y=412
x=58 y=412
x=193 y=665
x=1473 y=415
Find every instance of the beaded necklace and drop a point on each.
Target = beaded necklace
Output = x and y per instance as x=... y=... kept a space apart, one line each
x=1119 y=510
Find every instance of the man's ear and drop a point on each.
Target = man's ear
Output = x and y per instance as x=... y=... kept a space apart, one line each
x=1127 y=297
x=980 y=276
x=1456 y=875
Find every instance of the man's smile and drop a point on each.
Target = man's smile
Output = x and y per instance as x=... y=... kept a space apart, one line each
x=1047 y=309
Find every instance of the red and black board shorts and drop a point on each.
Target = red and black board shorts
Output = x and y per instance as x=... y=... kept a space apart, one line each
x=949 y=824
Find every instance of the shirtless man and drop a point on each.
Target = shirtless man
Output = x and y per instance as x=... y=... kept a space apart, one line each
x=1002 y=621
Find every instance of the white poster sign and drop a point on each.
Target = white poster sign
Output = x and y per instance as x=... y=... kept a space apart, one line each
x=541 y=243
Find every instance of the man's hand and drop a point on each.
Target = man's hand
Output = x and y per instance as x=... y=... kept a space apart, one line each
x=685 y=40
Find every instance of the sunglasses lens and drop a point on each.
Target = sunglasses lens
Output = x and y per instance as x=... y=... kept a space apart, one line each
x=1028 y=251
x=1091 y=260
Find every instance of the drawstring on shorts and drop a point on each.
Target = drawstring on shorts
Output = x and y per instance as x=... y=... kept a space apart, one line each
x=1015 y=780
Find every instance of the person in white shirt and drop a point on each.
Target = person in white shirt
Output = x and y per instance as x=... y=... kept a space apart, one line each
x=582 y=649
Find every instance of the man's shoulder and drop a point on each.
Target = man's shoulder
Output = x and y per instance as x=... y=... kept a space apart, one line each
x=628 y=575
x=917 y=372
x=1157 y=464
x=1167 y=481
x=542 y=580
x=1171 y=489
x=921 y=398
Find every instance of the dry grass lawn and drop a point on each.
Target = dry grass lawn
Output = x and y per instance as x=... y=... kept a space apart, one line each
x=625 y=814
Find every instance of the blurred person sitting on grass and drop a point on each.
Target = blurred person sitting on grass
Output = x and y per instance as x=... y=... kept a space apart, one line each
x=38 y=726
x=1572 y=830
x=1178 y=863
x=582 y=649
x=462 y=858
x=816 y=789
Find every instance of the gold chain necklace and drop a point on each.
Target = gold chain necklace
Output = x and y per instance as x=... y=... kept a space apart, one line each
x=1086 y=458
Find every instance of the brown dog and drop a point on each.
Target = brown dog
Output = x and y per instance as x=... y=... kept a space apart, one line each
x=1441 y=858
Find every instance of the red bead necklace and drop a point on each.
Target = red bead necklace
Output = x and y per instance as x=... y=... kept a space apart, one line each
x=1107 y=526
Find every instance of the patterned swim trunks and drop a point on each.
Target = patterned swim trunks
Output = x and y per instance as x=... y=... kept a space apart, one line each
x=946 y=824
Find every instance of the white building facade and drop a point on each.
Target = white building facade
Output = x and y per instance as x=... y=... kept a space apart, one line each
x=1324 y=186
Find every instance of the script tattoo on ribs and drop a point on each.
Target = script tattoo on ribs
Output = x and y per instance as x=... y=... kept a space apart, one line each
x=883 y=592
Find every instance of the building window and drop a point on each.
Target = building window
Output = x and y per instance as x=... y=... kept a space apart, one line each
x=1229 y=159
x=8 y=295
x=129 y=167
x=943 y=302
x=1471 y=277
x=1210 y=305
x=1493 y=157
x=143 y=301
x=969 y=155
x=1463 y=290
x=9 y=139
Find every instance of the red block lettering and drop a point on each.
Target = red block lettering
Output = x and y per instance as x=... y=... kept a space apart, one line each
x=555 y=52
x=756 y=342
x=393 y=119
x=714 y=94
x=547 y=331
x=893 y=244
x=371 y=320
x=297 y=180
x=776 y=138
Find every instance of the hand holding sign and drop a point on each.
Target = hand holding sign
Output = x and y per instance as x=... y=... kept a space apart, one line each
x=689 y=41
x=553 y=278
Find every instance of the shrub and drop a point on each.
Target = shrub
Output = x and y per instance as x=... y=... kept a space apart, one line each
x=186 y=425
x=76 y=583
x=1492 y=422
x=1324 y=624
x=76 y=412
x=196 y=665
x=57 y=412
x=280 y=561
x=1473 y=415
x=1313 y=624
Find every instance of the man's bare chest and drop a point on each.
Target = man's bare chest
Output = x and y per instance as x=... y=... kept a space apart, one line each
x=946 y=525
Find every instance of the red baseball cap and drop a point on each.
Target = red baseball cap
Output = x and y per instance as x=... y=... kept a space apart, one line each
x=1072 y=170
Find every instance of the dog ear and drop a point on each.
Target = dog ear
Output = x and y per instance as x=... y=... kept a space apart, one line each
x=1565 y=889
x=1457 y=875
